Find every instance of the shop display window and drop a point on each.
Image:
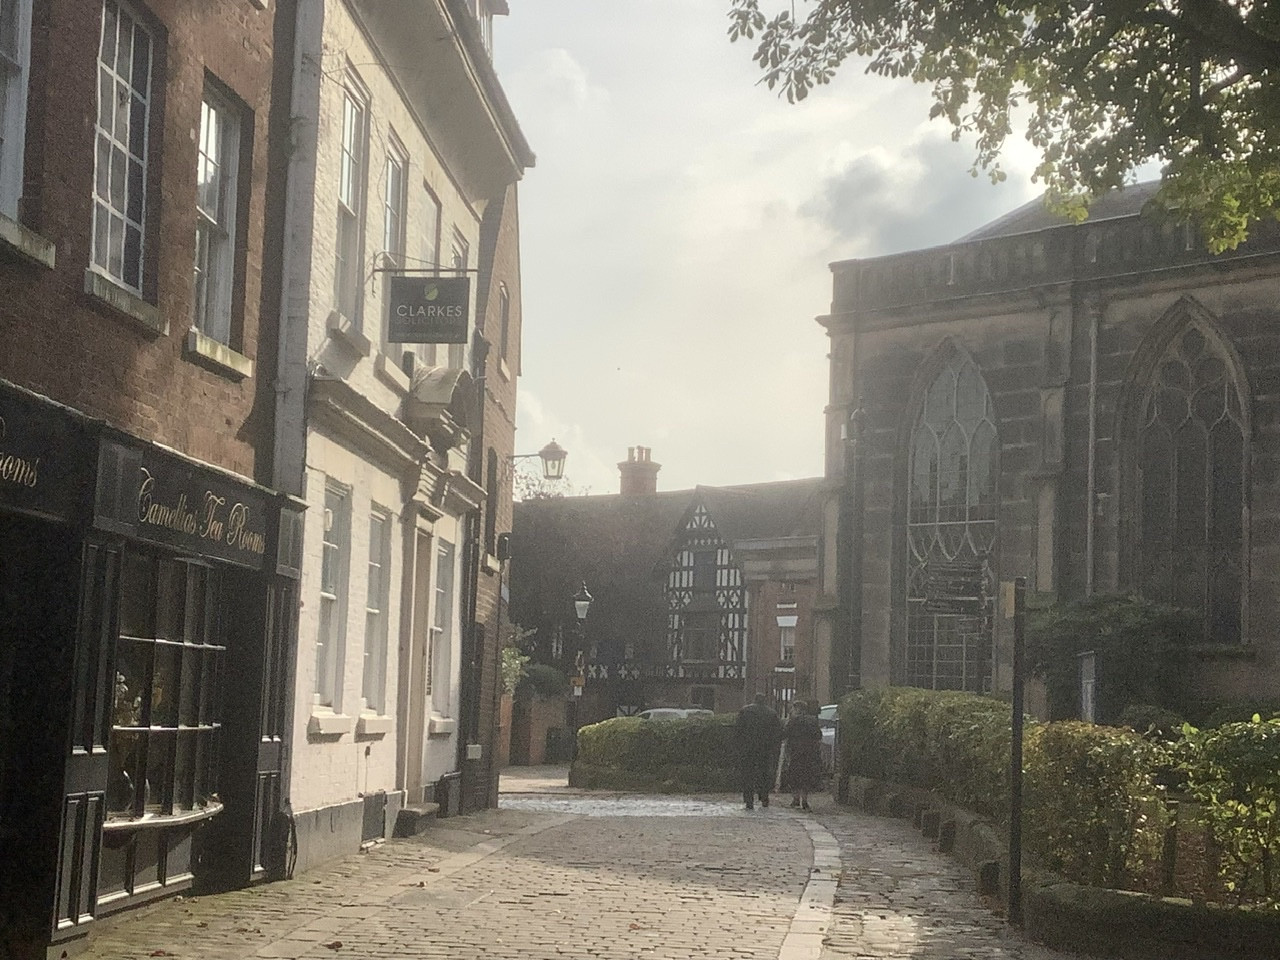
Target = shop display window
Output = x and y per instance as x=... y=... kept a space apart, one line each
x=164 y=733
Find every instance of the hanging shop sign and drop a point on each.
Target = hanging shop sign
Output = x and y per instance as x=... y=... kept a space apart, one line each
x=165 y=499
x=428 y=309
x=46 y=456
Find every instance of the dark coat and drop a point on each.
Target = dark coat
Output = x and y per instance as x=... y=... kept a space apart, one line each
x=757 y=731
x=803 y=770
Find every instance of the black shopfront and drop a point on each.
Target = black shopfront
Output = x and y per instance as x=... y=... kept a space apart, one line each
x=148 y=610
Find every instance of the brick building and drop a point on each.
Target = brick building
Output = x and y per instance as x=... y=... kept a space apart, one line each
x=394 y=414
x=147 y=566
x=1091 y=406
x=701 y=597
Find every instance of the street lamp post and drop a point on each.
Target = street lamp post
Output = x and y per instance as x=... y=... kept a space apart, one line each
x=581 y=605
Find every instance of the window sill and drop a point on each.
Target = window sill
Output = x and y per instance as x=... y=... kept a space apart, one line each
x=261 y=4
x=504 y=371
x=27 y=244
x=374 y=725
x=125 y=303
x=490 y=564
x=343 y=331
x=153 y=821
x=217 y=356
x=329 y=725
x=441 y=726
x=390 y=374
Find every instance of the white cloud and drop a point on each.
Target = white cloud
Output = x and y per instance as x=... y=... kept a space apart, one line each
x=677 y=230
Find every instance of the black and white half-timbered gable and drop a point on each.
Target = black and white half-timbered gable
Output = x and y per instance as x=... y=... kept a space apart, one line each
x=706 y=604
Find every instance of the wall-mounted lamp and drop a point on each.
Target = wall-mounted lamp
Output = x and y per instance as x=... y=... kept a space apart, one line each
x=552 y=455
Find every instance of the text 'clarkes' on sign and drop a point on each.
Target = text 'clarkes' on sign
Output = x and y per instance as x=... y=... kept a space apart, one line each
x=428 y=309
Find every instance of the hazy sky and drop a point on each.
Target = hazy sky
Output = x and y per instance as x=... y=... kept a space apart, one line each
x=677 y=230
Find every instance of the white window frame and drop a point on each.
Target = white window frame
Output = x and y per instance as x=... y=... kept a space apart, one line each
x=459 y=261
x=428 y=352
x=395 y=212
x=216 y=225
x=440 y=658
x=116 y=203
x=331 y=630
x=377 y=604
x=353 y=182
x=15 y=74
x=787 y=644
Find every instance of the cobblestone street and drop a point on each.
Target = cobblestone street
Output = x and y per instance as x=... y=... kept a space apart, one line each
x=556 y=874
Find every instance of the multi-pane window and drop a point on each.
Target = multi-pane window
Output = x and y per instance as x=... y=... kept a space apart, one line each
x=459 y=260
x=393 y=205
x=704 y=571
x=952 y=506
x=1192 y=465
x=120 y=164
x=787 y=633
x=427 y=352
x=162 y=757
x=441 y=653
x=374 y=687
x=702 y=634
x=15 y=46
x=394 y=202
x=217 y=153
x=349 y=273
x=331 y=637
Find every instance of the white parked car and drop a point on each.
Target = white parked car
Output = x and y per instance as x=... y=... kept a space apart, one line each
x=673 y=713
x=828 y=719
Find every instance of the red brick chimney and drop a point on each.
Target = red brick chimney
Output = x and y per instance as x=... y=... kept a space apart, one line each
x=639 y=473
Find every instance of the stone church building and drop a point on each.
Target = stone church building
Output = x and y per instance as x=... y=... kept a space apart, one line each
x=1095 y=407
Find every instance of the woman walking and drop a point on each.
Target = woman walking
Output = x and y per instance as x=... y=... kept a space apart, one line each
x=803 y=736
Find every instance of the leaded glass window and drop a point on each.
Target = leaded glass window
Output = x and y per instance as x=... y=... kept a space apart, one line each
x=952 y=507
x=1191 y=475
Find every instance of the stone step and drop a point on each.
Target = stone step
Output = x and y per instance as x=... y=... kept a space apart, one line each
x=415 y=818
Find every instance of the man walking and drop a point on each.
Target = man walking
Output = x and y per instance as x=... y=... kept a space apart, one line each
x=756 y=733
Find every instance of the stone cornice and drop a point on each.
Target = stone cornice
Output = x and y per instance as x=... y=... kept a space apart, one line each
x=335 y=405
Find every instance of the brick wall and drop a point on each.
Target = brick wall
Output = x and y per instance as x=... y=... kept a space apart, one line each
x=56 y=340
x=500 y=266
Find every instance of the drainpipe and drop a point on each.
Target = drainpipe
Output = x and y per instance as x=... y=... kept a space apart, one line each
x=1095 y=315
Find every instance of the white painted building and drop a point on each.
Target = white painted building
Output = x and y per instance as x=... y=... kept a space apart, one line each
x=401 y=138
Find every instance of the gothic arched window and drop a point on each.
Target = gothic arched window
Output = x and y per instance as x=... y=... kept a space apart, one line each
x=952 y=503
x=1191 y=481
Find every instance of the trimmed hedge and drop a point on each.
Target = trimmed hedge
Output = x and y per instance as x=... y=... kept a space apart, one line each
x=694 y=754
x=1095 y=806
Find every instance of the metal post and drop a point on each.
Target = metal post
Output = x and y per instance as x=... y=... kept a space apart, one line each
x=1015 y=754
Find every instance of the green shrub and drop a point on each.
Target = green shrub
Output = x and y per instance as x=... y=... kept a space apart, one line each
x=1140 y=646
x=956 y=744
x=1234 y=773
x=690 y=754
x=544 y=681
x=1093 y=810
x=1152 y=722
x=1239 y=711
